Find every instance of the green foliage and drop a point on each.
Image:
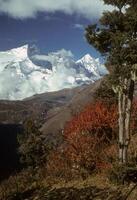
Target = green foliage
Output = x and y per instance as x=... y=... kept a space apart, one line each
x=117 y=3
x=115 y=174
x=105 y=92
x=33 y=149
x=121 y=174
x=116 y=37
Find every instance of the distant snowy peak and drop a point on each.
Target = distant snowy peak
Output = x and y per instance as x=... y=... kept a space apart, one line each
x=93 y=65
x=87 y=58
x=25 y=72
x=23 y=52
x=20 y=52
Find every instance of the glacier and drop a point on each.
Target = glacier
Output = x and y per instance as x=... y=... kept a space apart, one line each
x=25 y=72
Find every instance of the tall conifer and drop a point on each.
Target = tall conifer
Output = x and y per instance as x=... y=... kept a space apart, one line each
x=116 y=37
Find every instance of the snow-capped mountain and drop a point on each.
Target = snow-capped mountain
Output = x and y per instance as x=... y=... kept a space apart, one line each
x=24 y=72
x=92 y=66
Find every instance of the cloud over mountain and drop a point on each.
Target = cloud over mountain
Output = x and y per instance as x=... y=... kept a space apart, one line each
x=24 y=73
x=30 y=8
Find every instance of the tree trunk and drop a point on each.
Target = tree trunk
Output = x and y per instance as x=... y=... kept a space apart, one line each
x=125 y=99
x=121 y=127
x=128 y=118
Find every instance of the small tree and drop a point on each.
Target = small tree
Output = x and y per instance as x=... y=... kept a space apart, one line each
x=116 y=37
x=32 y=147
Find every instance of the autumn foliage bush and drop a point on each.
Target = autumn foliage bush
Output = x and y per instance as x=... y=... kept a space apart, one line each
x=83 y=152
x=99 y=119
x=90 y=141
x=85 y=138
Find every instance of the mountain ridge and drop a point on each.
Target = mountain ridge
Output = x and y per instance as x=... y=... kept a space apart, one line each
x=29 y=72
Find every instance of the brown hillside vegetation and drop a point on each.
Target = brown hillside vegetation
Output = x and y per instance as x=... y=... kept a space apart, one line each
x=78 y=168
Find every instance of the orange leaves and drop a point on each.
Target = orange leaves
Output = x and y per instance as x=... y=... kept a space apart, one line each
x=58 y=164
x=89 y=133
x=79 y=152
x=89 y=140
x=80 y=148
x=86 y=136
x=98 y=118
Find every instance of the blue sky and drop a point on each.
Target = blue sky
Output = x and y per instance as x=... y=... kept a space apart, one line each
x=51 y=25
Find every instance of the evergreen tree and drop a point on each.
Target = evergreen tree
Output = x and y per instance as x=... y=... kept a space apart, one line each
x=32 y=146
x=116 y=38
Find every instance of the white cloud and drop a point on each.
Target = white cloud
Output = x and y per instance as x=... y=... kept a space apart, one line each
x=79 y=26
x=30 y=8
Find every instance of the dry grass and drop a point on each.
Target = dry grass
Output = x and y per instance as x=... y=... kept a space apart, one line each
x=25 y=182
x=98 y=180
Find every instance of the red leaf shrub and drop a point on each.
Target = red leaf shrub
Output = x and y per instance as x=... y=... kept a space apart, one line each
x=89 y=141
x=99 y=119
x=80 y=152
x=83 y=150
x=86 y=135
x=58 y=164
